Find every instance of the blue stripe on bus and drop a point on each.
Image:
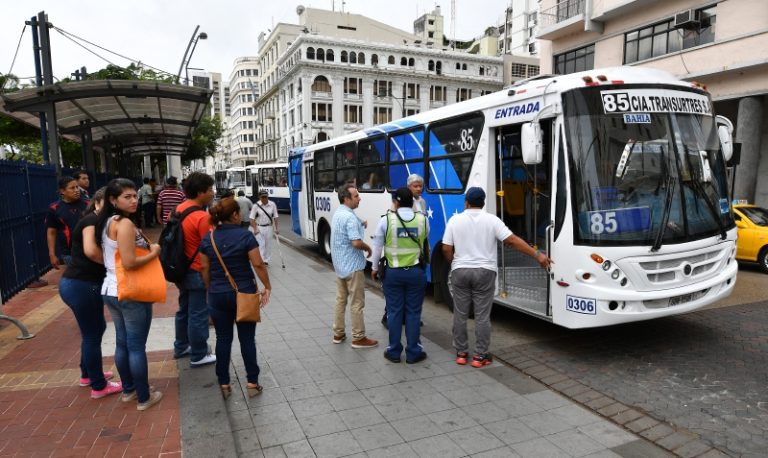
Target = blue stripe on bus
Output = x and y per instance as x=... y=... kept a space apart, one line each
x=391 y=127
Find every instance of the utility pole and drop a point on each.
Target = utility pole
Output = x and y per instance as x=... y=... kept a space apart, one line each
x=47 y=79
x=39 y=82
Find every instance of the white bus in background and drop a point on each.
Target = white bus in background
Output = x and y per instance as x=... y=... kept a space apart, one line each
x=231 y=179
x=270 y=176
x=618 y=174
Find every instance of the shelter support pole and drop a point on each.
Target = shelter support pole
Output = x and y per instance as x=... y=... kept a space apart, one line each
x=45 y=54
x=174 y=165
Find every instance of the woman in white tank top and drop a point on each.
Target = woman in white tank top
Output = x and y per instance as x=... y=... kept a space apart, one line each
x=116 y=231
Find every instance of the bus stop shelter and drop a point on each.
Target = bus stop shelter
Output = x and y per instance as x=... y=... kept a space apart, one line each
x=118 y=118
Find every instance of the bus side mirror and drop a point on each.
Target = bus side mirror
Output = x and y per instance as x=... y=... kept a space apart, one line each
x=531 y=143
x=725 y=133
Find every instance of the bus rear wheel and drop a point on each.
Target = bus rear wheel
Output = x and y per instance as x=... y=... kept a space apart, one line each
x=324 y=241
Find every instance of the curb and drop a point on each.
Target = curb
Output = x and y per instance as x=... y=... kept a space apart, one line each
x=676 y=440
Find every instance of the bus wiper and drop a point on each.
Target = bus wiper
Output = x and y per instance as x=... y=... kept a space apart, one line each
x=664 y=216
x=698 y=187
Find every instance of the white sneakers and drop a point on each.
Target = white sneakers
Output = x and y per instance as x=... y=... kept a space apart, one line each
x=205 y=360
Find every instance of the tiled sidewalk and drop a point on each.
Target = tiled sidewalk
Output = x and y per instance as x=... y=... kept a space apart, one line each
x=328 y=400
x=43 y=411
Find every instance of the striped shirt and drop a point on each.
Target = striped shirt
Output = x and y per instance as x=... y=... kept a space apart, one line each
x=345 y=228
x=168 y=200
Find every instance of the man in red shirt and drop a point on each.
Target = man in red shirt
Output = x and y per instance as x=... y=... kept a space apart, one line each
x=168 y=199
x=192 y=316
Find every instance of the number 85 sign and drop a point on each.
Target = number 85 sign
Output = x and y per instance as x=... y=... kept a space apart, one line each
x=619 y=220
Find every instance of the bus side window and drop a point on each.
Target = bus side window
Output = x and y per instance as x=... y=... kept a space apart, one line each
x=370 y=174
x=324 y=170
x=346 y=159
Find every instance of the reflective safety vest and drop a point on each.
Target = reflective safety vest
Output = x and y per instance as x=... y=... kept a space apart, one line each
x=399 y=248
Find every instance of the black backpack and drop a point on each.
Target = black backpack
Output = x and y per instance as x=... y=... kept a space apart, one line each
x=175 y=263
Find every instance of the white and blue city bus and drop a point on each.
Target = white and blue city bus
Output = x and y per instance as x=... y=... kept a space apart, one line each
x=231 y=179
x=618 y=174
x=273 y=177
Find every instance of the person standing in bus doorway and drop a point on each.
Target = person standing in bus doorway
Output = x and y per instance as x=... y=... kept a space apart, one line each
x=469 y=245
x=402 y=233
x=416 y=185
x=246 y=206
x=347 y=247
x=263 y=218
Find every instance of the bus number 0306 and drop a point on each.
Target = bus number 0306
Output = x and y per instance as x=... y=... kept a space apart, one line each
x=581 y=305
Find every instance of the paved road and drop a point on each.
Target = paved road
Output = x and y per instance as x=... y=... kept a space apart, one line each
x=705 y=372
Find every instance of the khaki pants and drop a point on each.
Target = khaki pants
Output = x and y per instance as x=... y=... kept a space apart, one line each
x=351 y=287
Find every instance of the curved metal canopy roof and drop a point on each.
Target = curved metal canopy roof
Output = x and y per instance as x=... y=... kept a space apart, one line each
x=140 y=117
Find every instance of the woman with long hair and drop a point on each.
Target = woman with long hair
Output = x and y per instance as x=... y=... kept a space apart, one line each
x=80 y=289
x=239 y=251
x=117 y=232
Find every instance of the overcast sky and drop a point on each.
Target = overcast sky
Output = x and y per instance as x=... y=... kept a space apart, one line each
x=156 y=32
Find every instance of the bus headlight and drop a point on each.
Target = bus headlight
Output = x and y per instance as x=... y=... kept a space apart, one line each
x=607 y=266
x=615 y=274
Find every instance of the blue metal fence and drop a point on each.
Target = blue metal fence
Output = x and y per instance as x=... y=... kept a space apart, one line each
x=26 y=191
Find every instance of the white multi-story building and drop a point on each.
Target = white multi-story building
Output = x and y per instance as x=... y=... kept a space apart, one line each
x=335 y=73
x=242 y=134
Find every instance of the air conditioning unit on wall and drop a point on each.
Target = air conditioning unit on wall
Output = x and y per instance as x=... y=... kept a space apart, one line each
x=688 y=19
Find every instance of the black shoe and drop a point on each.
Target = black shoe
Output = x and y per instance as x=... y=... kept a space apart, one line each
x=417 y=359
x=391 y=358
x=384 y=321
x=421 y=323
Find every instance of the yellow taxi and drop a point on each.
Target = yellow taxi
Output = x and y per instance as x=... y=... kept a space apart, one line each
x=752 y=225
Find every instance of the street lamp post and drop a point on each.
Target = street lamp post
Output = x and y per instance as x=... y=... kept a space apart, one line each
x=185 y=60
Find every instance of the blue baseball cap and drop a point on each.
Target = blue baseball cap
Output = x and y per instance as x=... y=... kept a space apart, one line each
x=475 y=196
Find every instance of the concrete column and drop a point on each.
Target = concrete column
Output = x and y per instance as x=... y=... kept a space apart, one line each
x=337 y=92
x=174 y=166
x=748 y=133
x=367 y=103
x=146 y=170
x=424 y=97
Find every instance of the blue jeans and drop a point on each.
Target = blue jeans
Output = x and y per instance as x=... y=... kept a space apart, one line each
x=132 y=321
x=192 y=317
x=223 y=308
x=404 y=293
x=84 y=298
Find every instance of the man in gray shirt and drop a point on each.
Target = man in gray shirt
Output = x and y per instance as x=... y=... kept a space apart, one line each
x=245 y=205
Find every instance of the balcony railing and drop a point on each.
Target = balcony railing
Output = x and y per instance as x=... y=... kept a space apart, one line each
x=562 y=11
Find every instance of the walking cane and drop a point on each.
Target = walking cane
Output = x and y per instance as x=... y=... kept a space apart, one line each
x=279 y=245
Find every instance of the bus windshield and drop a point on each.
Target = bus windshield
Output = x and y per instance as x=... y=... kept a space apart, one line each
x=236 y=178
x=651 y=174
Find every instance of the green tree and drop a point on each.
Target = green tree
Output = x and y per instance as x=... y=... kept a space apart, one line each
x=204 y=139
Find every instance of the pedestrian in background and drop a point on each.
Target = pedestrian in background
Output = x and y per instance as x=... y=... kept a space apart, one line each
x=469 y=245
x=80 y=289
x=83 y=182
x=264 y=224
x=192 y=316
x=347 y=247
x=239 y=251
x=132 y=319
x=402 y=234
x=146 y=203
x=168 y=199
x=245 y=205
x=61 y=219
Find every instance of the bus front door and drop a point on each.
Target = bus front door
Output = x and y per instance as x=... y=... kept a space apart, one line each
x=309 y=182
x=524 y=206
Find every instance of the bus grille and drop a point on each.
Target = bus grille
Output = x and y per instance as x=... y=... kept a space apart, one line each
x=678 y=270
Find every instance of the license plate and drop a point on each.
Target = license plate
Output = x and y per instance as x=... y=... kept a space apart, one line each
x=680 y=299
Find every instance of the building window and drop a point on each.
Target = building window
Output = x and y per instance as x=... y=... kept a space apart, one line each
x=353 y=114
x=329 y=55
x=458 y=66
x=344 y=56
x=360 y=58
x=663 y=38
x=411 y=62
x=439 y=67
x=321 y=84
x=322 y=112
x=411 y=111
x=431 y=65
x=437 y=93
x=320 y=54
x=463 y=94
x=311 y=53
x=412 y=91
x=374 y=59
x=431 y=34
x=575 y=61
x=352 y=58
x=403 y=62
x=382 y=88
x=353 y=86
x=391 y=60
x=382 y=115
x=481 y=70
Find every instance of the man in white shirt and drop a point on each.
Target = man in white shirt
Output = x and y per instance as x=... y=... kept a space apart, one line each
x=263 y=218
x=469 y=244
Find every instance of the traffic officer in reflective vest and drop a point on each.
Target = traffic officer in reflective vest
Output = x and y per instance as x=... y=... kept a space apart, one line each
x=402 y=233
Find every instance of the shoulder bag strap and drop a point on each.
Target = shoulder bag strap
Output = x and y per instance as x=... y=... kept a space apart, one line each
x=221 y=261
x=265 y=212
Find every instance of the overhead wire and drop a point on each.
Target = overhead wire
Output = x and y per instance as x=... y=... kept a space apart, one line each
x=87 y=49
x=72 y=36
x=15 y=54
